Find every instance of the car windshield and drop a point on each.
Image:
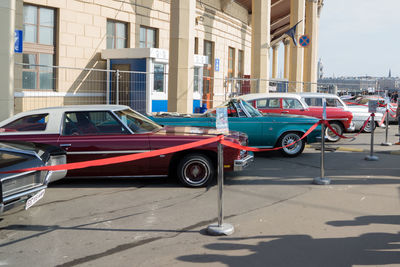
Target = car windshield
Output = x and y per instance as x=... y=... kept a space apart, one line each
x=136 y=121
x=251 y=110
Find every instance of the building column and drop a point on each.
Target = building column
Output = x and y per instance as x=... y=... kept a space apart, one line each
x=260 y=44
x=286 y=43
x=181 y=47
x=275 y=61
x=296 y=52
x=311 y=51
x=7 y=20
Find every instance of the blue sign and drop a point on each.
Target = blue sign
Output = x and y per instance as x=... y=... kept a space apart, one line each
x=18 y=38
x=304 y=40
x=216 y=64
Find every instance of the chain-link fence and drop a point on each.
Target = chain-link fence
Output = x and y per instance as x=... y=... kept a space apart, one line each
x=44 y=86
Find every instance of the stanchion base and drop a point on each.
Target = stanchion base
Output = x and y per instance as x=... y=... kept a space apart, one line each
x=322 y=181
x=386 y=144
x=371 y=158
x=224 y=229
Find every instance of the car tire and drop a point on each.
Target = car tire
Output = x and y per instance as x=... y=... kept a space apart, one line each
x=293 y=150
x=195 y=170
x=368 y=127
x=330 y=136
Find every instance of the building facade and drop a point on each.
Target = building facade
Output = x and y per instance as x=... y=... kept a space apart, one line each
x=154 y=55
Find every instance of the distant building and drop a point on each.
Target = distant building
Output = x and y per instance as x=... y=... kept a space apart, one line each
x=364 y=84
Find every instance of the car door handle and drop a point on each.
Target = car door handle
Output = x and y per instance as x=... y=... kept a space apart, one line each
x=285 y=111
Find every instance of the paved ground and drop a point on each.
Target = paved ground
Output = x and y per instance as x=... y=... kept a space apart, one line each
x=280 y=217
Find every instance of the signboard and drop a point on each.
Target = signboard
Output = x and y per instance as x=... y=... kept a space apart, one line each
x=18 y=41
x=221 y=122
x=304 y=40
x=372 y=106
x=216 y=64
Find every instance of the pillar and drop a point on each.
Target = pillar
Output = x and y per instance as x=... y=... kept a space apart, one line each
x=311 y=51
x=181 y=47
x=296 y=52
x=275 y=61
x=286 y=43
x=7 y=20
x=260 y=44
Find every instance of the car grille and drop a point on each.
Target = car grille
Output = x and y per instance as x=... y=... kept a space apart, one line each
x=22 y=182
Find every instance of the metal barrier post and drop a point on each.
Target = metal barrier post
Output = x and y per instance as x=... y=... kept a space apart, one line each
x=221 y=228
x=371 y=156
x=322 y=180
x=386 y=143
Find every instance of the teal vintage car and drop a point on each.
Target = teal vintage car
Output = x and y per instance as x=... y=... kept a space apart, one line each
x=264 y=130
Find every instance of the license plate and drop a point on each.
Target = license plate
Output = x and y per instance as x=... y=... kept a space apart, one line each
x=35 y=198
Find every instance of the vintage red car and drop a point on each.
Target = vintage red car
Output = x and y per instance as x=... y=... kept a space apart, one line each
x=103 y=131
x=287 y=103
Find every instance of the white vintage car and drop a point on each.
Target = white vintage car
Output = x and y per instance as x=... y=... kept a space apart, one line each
x=360 y=113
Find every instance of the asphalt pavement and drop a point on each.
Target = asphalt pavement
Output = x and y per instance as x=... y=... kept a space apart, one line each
x=279 y=216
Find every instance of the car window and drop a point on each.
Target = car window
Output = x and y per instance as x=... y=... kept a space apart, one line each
x=291 y=103
x=268 y=103
x=240 y=112
x=136 y=121
x=330 y=102
x=251 y=110
x=92 y=123
x=313 y=102
x=36 y=122
x=231 y=109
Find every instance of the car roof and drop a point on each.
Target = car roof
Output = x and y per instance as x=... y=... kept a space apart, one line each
x=309 y=94
x=268 y=95
x=83 y=108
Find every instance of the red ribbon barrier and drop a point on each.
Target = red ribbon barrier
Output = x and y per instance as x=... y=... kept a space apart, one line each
x=131 y=157
x=353 y=103
x=346 y=137
x=119 y=159
x=383 y=118
x=254 y=149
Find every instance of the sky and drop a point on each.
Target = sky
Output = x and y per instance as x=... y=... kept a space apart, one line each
x=358 y=38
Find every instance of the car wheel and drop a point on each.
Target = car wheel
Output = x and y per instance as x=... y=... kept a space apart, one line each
x=195 y=170
x=293 y=150
x=368 y=127
x=330 y=136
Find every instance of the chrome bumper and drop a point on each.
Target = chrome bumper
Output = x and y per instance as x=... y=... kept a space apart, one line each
x=240 y=164
x=351 y=128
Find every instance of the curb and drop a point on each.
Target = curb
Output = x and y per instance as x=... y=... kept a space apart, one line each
x=353 y=149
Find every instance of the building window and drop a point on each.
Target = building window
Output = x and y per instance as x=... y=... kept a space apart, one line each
x=231 y=62
x=208 y=73
x=39 y=48
x=148 y=37
x=196 y=45
x=159 y=78
x=197 y=81
x=240 y=63
x=116 y=34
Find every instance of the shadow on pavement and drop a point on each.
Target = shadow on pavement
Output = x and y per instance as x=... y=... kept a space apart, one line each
x=367 y=220
x=302 y=250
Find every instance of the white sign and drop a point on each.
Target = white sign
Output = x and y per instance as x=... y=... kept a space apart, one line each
x=372 y=106
x=221 y=122
x=35 y=198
